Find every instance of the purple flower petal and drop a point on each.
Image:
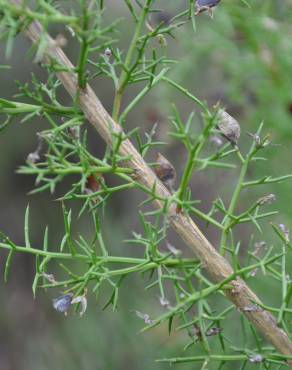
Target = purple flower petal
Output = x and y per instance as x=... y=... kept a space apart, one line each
x=62 y=303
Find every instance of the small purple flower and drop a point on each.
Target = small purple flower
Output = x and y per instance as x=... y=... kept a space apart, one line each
x=62 y=303
x=202 y=5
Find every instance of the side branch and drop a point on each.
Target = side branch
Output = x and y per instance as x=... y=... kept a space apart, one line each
x=217 y=267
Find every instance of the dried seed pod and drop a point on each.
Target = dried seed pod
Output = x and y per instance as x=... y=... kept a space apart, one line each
x=252 y=308
x=165 y=171
x=228 y=126
x=94 y=184
x=267 y=199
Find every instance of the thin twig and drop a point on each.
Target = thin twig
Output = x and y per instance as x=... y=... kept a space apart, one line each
x=217 y=267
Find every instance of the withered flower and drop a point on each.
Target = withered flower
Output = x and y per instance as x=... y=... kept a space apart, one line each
x=145 y=317
x=267 y=199
x=285 y=231
x=203 y=5
x=83 y=302
x=49 y=277
x=34 y=157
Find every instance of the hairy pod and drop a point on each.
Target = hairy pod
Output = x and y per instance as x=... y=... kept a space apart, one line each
x=228 y=126
x=165 y=171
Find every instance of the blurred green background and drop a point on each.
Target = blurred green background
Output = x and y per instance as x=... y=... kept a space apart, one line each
x=242 y=58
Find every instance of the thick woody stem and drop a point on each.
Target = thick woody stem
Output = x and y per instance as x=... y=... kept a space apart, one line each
x=217 y=267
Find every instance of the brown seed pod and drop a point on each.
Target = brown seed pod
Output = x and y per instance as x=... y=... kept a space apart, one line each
x=165 y=171
x=228 y=126
x=93 y=183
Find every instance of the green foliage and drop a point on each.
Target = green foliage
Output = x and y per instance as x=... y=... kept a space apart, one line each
x=189 y=301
